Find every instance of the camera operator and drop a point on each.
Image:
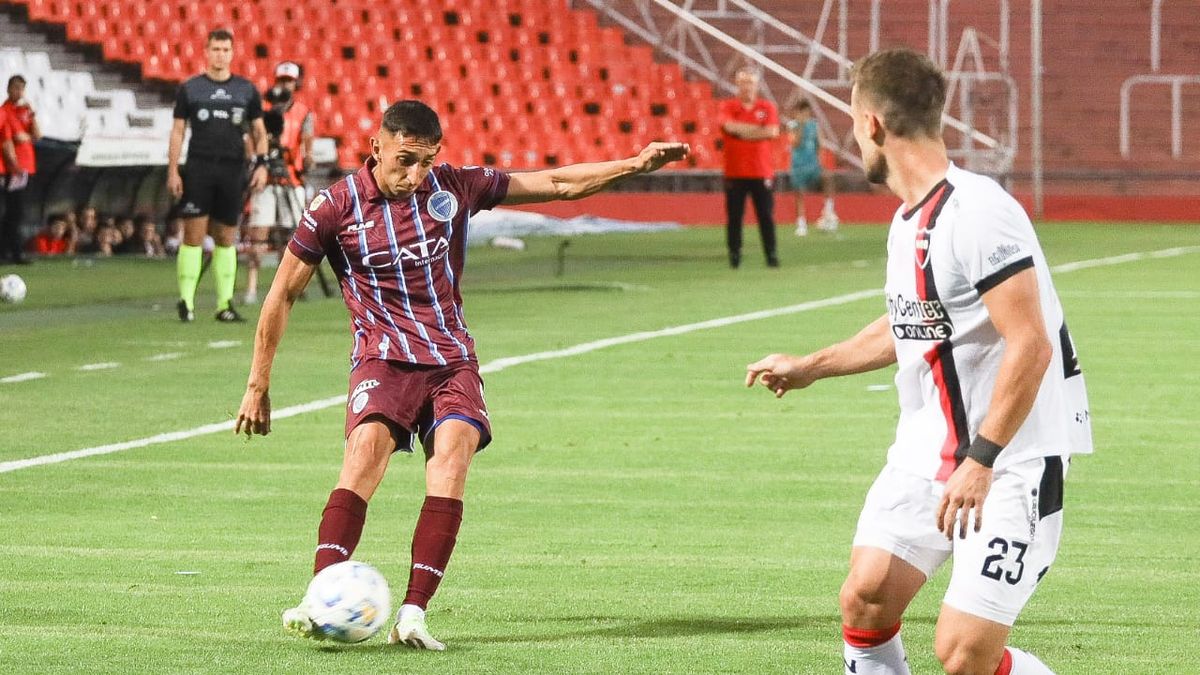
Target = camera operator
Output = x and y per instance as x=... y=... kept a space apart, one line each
x=289 y=126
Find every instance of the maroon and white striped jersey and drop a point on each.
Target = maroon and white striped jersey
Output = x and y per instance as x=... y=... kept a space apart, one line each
x=966 y=237
x=399 y=262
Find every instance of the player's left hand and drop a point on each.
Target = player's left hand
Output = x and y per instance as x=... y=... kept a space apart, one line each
x=258 y=179
x=965 y=492
x=254 y=416
x=656 y=155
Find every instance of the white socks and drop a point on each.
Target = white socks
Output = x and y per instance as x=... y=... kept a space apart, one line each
x=408 y=612
x=885 y=658
x=1024 y=663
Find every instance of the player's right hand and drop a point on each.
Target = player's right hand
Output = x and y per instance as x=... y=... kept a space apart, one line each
x=254 y=417
x=175 y=184
x=780 y=373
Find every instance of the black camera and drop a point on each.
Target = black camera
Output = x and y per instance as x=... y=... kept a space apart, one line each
x=277 y=155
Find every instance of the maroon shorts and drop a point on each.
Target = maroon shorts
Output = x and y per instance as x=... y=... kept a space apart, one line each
x=413 y=399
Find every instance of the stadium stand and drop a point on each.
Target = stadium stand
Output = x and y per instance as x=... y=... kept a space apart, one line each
x=546 y=85
x=66 y=95
x=1109 y=42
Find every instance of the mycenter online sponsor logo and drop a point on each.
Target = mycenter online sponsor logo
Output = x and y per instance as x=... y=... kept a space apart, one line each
x=918 y=319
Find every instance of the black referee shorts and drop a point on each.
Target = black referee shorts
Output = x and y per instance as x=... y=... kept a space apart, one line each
x=213 y=188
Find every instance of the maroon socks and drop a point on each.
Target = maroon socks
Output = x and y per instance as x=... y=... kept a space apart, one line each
x=433 y=542
x=341 y=526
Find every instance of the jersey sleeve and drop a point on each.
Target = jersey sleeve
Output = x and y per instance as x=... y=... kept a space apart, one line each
x=483 y=187
x=181 y=103
x=993 y=243
x=254 y=109
x=315 y=234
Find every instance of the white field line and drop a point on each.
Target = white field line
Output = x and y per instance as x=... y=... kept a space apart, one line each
x=1124 y=258
x=22 y=377
x=501 y=364
x=223 y=344
x=104 y=365
x=165 y=356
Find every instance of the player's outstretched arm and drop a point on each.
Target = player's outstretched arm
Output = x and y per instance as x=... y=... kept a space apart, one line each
x=254 y=416
x=871 y=349
x=576 y=181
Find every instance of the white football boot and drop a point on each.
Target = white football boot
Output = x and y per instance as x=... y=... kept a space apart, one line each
x=297 y=622
x=410 y=630
x=828 y=222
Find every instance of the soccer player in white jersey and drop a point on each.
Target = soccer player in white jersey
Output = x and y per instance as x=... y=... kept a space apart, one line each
x=992 y=402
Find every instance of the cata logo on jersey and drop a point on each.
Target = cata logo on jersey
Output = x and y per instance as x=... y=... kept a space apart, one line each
x=420 y=254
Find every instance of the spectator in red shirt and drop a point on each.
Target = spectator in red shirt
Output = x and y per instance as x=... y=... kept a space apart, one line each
x=53 y=240
x=20 y=129
x=749 y=127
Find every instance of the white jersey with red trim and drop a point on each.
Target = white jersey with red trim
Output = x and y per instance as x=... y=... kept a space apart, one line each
x=966 y=237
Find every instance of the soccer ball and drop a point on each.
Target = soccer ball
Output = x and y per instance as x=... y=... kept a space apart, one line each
x=348 y=602
x=12 y=288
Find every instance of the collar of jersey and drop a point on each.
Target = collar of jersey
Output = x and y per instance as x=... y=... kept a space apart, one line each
x=924 y=200
x=370 y=188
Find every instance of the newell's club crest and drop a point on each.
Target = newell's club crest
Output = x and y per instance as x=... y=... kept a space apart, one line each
x=922 y=248
x=442 y=206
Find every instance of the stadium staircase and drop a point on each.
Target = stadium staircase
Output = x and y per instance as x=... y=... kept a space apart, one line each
x=72 y=90
x=519 y=83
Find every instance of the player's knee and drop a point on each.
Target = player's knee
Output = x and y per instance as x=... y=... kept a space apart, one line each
x=226 y=236
x=195 y=238
x=961 y=656
x=449 y=463
x=860 y=601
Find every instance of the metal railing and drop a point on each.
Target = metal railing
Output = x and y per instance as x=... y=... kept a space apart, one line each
x=690 y=38
x=1175 y=82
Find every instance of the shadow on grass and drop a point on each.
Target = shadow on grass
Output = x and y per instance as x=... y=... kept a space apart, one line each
x=666 y=628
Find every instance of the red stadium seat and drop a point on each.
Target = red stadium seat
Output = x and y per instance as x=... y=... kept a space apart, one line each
x=534 y=79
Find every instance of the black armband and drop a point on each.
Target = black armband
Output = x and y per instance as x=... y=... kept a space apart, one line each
x=260 y=160
x=984 y=451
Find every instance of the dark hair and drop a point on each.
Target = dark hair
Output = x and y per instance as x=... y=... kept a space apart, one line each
x=15 y=78
x=908 y=89
x=219 y=35
x=413 y=118
x=56 y=217
x=802 y=105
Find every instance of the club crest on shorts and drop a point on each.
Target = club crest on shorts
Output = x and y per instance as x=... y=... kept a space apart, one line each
x=442 y=206
x=361 y=394
x=359 y=402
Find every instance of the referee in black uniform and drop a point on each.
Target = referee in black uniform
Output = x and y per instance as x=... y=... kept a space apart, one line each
x=221 y=108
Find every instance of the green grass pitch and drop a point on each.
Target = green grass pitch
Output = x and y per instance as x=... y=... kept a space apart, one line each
x=639 y=511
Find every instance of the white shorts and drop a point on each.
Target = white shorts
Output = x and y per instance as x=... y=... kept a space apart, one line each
x=275 y=207
x=996 y=569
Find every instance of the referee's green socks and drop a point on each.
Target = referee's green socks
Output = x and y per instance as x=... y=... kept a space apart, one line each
x=187 y=268
x=224 y=264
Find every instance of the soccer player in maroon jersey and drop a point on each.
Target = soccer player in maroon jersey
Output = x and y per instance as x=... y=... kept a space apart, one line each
x=395 y=231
